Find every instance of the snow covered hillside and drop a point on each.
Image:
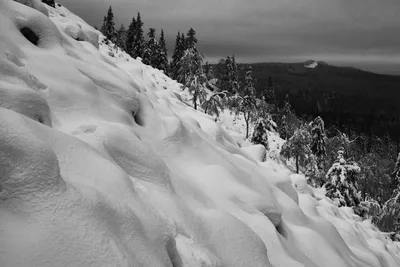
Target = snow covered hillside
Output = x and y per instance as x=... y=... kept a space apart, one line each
x=102 y=164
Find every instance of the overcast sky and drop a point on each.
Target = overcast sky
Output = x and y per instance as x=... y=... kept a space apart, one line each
x=361 y=33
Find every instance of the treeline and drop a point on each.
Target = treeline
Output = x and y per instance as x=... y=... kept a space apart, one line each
x=153 y=52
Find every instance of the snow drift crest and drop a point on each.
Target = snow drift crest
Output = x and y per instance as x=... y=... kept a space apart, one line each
x=100 y=165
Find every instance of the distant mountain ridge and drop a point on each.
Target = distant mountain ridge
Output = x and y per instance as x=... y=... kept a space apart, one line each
x=344 y=96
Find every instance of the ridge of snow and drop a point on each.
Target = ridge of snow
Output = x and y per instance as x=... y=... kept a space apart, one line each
x=311 y=64
x=103 y=164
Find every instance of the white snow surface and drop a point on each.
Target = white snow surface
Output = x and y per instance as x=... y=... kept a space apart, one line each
x=311 y=65
x=102 y=164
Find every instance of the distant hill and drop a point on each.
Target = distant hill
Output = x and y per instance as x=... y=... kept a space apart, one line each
x=344 y=96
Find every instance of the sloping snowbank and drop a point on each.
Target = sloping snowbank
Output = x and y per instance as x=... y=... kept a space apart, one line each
x=101 y=164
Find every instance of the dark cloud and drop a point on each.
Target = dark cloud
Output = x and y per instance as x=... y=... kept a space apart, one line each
x=339 y=31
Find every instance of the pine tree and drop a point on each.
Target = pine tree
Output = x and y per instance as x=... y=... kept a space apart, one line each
x=130 y=39
x=298 y=147
x=396 y=173
x=318 y=144
x=260 y=134
x=163 y=57
x=152 y=50
x=191 y=73
x=138 y=44
x=269 y=95
x=177 y=56
x=244 y=100
x=121 y=38
x=108 y=28
x=342 y=185
x=191 y=40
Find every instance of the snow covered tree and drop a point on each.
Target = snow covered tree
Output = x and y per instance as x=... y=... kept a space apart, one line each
x=208 y=71
x=191 y=72
x=318 y=144
x=227 y=75
x=244 y=101
x=121 y=38
x=191 y=40
x=342 y=182
x=108 y=28
x=138 y=43
x=130 y=39
x=163 y=53
x=283 y=124
x=396 y=172
x=177 y=55
x=260 y=133
x=152 y=50
x=298 y=148
x=269 y=94
x=215 y=103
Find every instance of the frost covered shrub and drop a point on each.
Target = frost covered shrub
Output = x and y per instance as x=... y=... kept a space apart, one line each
x=260 y=133
x=298 y=148
x=342 y=182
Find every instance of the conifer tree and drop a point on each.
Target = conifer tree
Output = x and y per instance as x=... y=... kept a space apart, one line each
x=108 y=28
x=138 y=44
x=192 y=75
x=342 y=185
x=260 y=134
x=191 y=40
x=176 y=56
x=121 y=38
x=152 y=50
x=130 y=39
x=318 y=144
x=244 y=100
x=298 y=147
x=163 y=56
x=269 y=95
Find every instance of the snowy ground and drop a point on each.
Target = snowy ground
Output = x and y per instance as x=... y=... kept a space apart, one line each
x=102 y=164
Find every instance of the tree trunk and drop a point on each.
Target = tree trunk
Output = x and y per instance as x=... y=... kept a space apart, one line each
x=195 y=101
x=247 y=125
x=297 y=164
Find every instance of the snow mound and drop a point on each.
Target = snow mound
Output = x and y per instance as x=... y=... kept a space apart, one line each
x=311 y=64
x=102 y=164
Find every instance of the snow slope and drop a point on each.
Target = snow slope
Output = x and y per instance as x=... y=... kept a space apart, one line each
x=102 y=164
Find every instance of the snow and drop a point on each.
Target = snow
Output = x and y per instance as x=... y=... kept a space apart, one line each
x=102 y=164
x=311 y=64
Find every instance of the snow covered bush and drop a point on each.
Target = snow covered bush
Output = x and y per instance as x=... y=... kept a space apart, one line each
x=298 y=148
x=342 y=182
x=260 y=133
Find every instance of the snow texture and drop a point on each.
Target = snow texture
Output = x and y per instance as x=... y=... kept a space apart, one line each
x=102 y=164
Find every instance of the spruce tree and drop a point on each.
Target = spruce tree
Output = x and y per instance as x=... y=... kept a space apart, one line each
x=108 y=28
x=192 y=76
x=138 y=44
x=191 y=40
x=130 y=39
x=163 y=56
x=121 y=38
x=269 y=95
x=151 y=51
x=318 y=144
x=175 y=56
x=298 y=148
x=342 y=185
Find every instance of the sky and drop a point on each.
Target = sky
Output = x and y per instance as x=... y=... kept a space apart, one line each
x=359 y=33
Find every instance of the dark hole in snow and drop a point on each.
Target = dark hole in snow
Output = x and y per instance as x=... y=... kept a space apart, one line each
x=30 y=35
x=281 y=230
x=137 y=119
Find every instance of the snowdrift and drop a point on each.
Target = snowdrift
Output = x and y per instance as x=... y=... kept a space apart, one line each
x=102 y=164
